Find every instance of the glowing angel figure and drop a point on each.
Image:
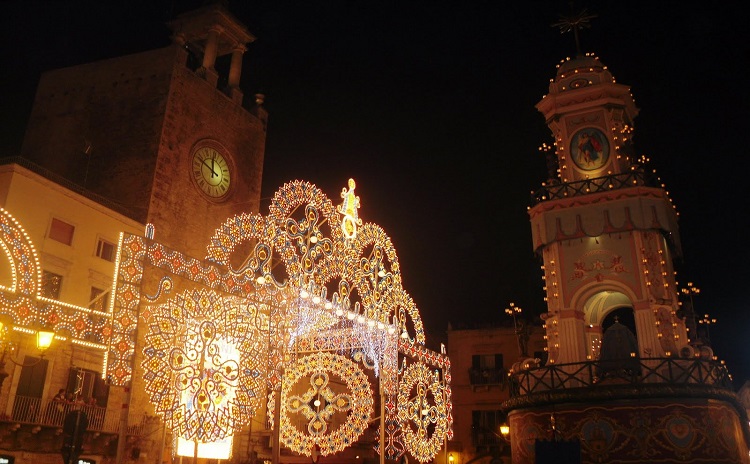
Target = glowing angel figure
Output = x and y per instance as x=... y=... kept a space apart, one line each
x=349 y=209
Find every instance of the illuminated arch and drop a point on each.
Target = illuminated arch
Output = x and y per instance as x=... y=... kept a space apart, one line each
x=302 y=231
x=334 y=292
x=22 y=256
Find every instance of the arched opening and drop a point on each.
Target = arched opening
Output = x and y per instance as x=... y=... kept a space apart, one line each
x=601 y=310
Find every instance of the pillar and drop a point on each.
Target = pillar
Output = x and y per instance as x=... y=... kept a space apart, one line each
x=235 y=71
x=209 y=56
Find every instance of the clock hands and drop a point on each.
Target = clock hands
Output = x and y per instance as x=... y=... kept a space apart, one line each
x=211 y=167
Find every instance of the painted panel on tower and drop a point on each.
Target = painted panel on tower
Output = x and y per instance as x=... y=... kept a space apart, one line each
x=589 y=148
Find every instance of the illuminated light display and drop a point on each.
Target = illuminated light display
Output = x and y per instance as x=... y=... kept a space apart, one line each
x=318 y=380
x=348 y=209
x=319 y=301
x=221 y=449
x=24 y=304
x=422 y=411
x=394 y=443
x=201 y=365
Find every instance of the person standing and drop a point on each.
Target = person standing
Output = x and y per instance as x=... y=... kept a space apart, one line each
x=74 y=428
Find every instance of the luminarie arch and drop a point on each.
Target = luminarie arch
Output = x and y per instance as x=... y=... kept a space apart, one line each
x=322 y=294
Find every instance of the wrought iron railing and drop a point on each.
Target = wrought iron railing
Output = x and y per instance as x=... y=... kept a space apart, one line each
x=674 y=371
x=29 y=410
x=558 y=191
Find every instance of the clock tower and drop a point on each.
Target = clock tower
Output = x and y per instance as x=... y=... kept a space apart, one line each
x=164 y=136
x=604 y=227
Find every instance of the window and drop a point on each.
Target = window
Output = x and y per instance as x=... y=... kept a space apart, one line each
x=105 y=250
x=30 y=387
x=88 y=384
x=487 y=361
x=61 y=231
x=485 y=427
x=51 y=284
x=98 y=299
x=486 y=369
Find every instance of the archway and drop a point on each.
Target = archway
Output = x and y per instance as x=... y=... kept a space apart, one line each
x=600 y=311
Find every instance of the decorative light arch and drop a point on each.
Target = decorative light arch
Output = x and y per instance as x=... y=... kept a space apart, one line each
x=22 y=302
x=319 y=281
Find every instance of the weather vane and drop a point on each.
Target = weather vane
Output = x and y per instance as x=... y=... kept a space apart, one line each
x=575 y=22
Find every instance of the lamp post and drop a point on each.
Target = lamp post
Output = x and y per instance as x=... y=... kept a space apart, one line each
x=689 y=312
x=707 y=321
x=43 y=340
x=520 y=328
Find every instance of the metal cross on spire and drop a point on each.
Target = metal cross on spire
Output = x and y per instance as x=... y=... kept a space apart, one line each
x=575 y=22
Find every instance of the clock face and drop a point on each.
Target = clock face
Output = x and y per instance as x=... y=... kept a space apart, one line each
x=211 y=172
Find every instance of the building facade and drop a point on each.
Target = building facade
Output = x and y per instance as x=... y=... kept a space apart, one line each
x=161 y=142
x=482 y=359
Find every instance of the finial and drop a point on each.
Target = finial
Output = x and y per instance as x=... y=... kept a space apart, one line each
x=575 y=22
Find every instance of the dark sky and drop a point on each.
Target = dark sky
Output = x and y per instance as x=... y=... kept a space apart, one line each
x=429 y=105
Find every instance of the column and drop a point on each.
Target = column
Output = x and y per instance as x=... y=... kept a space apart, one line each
x=235 y=71
x=209 y=56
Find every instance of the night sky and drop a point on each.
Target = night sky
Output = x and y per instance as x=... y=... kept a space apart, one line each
x=429 y=106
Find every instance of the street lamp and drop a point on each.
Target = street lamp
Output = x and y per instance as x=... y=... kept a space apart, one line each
x=43 y=340
x=689 y=311
x=520 y=328
x=707 y=321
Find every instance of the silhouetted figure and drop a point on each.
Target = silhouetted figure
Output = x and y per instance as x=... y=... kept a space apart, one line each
x=619 y=353
x=74 y=428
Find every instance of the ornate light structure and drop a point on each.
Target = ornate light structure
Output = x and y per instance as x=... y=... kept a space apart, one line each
x=202 y=365
x=310 y=280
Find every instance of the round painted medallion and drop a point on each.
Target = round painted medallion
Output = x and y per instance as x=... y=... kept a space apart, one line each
x=589 y=149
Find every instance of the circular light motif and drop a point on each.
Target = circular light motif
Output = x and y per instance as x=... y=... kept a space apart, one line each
x=314 y=389
x=422 y=412
x=201 y=365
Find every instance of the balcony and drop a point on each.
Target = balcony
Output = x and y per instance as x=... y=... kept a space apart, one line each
x=634 y=178
x=487 y=377
x=36 y=425
x=643 y=377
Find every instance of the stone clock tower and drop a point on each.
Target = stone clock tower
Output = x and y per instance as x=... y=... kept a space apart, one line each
x=162 y=135
x=607 y=232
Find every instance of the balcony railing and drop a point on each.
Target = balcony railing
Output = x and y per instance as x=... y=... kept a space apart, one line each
x=634 y=178
x=29 y=410
x=674 y=371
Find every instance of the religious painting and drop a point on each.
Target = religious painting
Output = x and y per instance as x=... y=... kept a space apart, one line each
x=589 y=149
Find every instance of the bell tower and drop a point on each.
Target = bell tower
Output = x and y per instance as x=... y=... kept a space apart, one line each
x=162 y=136
x=603 y=225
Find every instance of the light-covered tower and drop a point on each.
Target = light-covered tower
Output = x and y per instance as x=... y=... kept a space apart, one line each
x=604 y=226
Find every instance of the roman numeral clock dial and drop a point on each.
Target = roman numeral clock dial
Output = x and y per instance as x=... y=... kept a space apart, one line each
x=210 y=171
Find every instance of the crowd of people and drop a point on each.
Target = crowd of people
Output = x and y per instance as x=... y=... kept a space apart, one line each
x=63 y=403
x=62 y=397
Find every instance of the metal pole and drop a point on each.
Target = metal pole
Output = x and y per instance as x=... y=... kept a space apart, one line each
x=276 y=426
x=382 y=423
x=123 y=432
x=160 y=459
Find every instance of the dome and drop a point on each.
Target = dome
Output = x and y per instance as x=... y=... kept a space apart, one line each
x=580 y=64
x=581 y=71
